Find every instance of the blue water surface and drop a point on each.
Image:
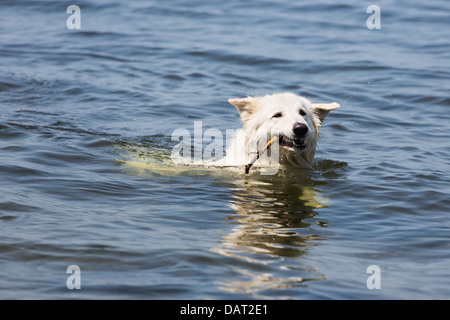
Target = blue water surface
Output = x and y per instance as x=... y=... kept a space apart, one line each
x=76 y=104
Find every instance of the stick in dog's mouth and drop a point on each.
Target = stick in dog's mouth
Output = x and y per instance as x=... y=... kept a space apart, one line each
x=259 y=153
x=292 y=143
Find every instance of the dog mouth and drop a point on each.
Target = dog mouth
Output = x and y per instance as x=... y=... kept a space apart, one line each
x=296 y=144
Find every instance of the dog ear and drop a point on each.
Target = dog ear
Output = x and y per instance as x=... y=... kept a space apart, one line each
x=245 y=106
x=321 y=110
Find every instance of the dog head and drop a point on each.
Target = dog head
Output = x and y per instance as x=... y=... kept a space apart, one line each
x=294 y=119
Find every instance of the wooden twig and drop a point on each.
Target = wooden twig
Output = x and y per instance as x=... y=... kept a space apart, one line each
x=259 y=153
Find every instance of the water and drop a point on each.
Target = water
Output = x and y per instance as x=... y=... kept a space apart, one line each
x=85 y=136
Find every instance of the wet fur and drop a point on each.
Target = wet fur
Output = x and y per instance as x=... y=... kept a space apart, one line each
x=261 y=121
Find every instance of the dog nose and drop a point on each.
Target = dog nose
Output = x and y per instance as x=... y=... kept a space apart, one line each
x=300 y=129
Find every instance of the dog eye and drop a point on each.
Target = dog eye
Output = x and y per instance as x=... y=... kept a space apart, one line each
x=302 y=112
x=277 y=115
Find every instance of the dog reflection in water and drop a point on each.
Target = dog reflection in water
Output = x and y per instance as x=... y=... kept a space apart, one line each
x=275 y=218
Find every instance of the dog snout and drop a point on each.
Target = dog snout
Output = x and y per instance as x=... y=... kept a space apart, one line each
x=300 y=129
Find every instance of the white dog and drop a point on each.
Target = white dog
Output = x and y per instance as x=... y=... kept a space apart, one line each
x=293 y=119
